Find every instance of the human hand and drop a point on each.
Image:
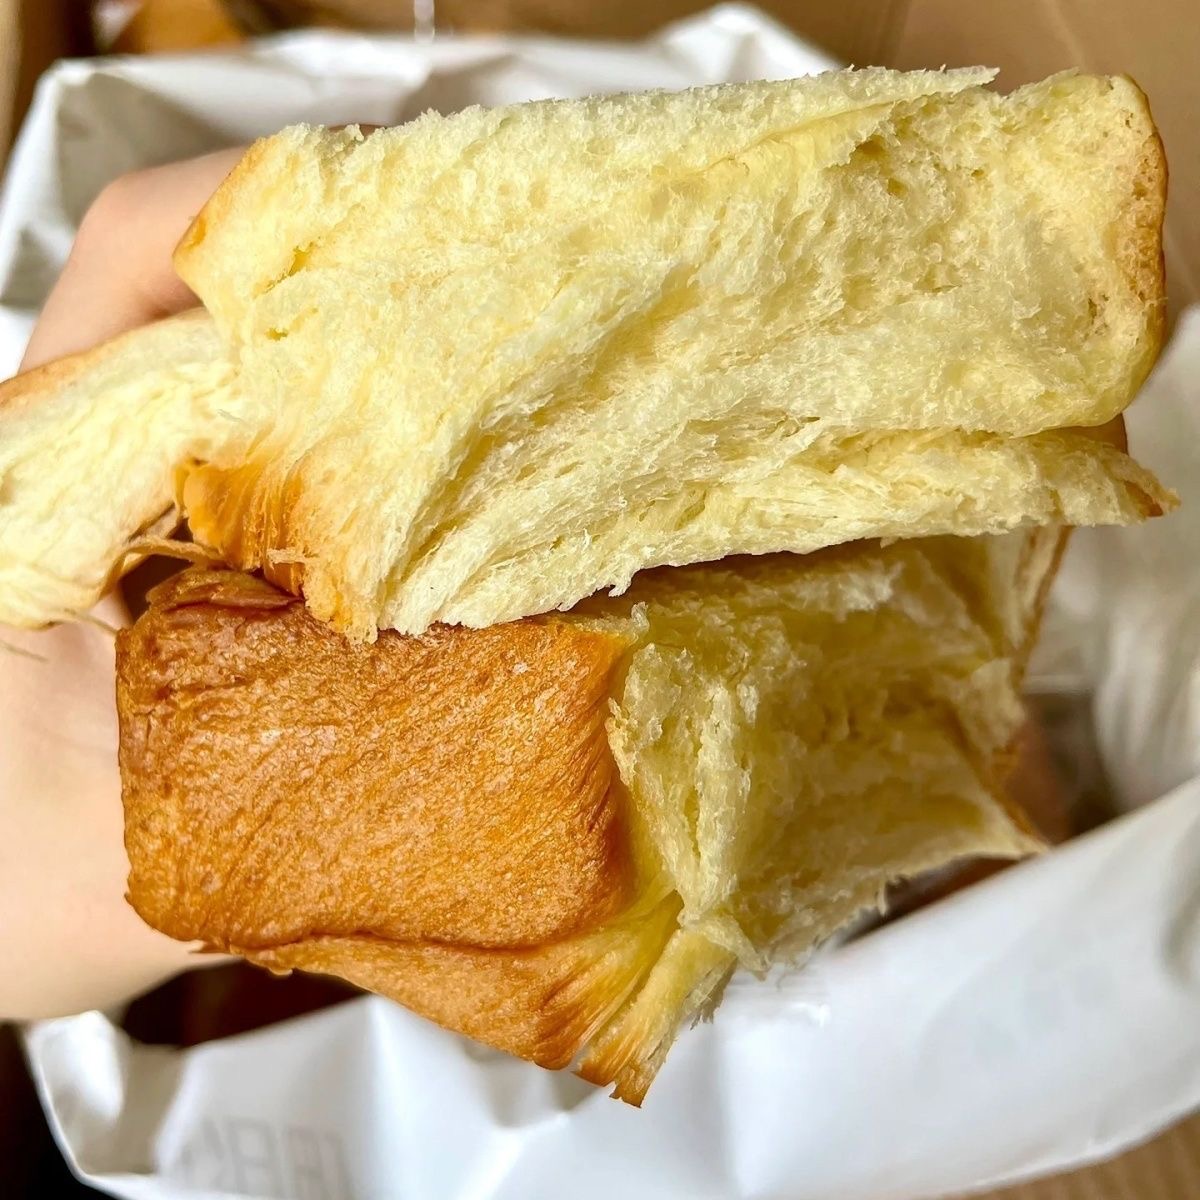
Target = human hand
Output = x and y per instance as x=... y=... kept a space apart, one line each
x=68 y=939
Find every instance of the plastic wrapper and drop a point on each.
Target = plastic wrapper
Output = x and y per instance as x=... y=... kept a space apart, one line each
x=1045 y=1017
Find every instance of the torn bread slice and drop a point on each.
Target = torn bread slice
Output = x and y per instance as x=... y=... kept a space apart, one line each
x=515 y=356
x=482 y=366
x=560 y=835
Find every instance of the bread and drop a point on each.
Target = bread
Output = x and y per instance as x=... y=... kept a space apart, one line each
x=561 y=835
x=482 y=366
x=1038 y=786
x=460 y=388
x=89 y=448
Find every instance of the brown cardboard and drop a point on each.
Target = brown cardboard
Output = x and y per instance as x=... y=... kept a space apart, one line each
x=1168 y=1168
x=177 y=25
x=10 y=58
x=33 y=33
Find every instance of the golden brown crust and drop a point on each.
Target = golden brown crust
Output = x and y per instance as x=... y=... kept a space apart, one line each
x=228 y=508
x=44 y=382
x=542 y=1004
x=216 y=208
x=435 y=819
x=1139 y=248
x=630 y=1050
x=281 y=785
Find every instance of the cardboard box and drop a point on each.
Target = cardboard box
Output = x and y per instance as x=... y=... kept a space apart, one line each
x=1167 y=1168
x=33 y=33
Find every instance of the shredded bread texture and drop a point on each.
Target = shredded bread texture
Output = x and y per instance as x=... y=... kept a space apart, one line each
x=483 y=366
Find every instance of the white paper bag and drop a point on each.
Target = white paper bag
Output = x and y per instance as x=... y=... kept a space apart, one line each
x=1046 y=1017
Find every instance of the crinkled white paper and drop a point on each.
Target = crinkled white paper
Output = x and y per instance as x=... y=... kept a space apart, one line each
x=1046 y=1017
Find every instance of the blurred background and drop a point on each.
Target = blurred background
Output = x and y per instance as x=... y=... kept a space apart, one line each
x=1156 y=41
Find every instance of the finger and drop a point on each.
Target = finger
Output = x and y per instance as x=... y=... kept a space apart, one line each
x=69 y=941
x=119 y=273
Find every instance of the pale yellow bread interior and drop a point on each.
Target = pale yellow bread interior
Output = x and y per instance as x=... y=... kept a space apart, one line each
x=483 y=366
x=89 y=449
x=561 y=835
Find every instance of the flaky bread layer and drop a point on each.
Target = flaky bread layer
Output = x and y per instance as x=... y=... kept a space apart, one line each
x=483 y=366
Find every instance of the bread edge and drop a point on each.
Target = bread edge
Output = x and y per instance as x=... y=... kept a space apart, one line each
x=1140 y=240
x=48 y=380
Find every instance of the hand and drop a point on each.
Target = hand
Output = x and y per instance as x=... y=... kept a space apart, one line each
x=68 y=939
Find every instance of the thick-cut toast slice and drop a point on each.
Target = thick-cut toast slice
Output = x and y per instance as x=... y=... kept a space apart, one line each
x=560 y=835
x=482 y=366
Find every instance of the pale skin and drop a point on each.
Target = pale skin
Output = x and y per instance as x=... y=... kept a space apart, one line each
x=68 y=939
